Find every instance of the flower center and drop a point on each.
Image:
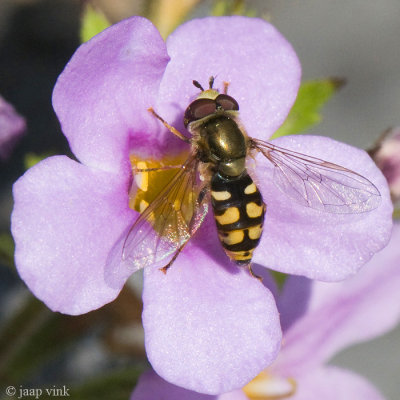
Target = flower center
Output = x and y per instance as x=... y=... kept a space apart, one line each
x=267 y=387
x=147 y=184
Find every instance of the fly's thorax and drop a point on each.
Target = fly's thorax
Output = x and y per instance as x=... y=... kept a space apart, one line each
x=222 y=143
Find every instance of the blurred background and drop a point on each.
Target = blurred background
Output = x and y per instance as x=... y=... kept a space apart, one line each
x=356 y=40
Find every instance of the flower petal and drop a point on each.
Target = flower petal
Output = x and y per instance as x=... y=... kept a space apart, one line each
x=321 y=245
x=331 y=383
x=101 y=97
x=12 y=127
x=294 y=299
x=387 y=156
x=343 y=313
x=151 y=386
x=66 y=217
x=209 y=326
x=260 y=66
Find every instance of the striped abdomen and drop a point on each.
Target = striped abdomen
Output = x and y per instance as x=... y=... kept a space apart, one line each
x=239 y=214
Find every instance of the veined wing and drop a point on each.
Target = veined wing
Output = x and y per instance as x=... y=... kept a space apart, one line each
x=169 y=221
x=319 y=184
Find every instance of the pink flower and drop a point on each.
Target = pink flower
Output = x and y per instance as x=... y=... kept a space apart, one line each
x=386 y=154
x=12 y=127
x=209 y=326
x=319 y=320
x=333 y=316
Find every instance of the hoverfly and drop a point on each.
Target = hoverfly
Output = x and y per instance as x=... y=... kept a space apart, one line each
x=219 y=147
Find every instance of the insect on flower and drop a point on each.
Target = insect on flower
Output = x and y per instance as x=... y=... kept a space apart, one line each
x=216 y=169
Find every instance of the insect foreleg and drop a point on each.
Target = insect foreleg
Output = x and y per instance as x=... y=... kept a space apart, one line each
x=226 y=85
x=168 y=126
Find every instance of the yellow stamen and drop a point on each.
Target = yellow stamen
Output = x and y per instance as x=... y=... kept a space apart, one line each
x=147 y=184
x=268 y=387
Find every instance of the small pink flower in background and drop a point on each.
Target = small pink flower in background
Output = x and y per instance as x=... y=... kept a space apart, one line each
x=387 y=157
x=12 y=127
x=321 y=319
x=209 y=326
x=318 y=320
x=152 y=387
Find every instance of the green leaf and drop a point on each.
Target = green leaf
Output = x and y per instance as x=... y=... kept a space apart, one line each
x=279 y=277
x=93 y=22
x=220 y=8
x=305 y=112
x=7 y=249
x=15 y=336
x=34 y=336
x=232 y=7
x=31 y=159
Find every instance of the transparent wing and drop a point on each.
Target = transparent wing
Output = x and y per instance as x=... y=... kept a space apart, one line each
x=169 y=221
x=319 y=184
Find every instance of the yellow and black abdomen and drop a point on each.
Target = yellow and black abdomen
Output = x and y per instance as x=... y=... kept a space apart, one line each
x=239 y=214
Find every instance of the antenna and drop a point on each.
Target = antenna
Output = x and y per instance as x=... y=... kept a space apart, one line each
x=197 y=84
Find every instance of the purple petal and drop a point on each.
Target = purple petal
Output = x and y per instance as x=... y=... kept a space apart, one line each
x=267 y=279
x=343 y=313
x=66 y=217
x=12 y=127
x=294 y=300
x=209 y=326
x=321 y=245
x=102 y=96
x=260 y=65
x=151 y=386
x=387 y=157
x=331 y=383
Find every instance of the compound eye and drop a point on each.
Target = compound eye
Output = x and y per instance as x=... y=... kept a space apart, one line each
x=227 y=102
x=199 y=109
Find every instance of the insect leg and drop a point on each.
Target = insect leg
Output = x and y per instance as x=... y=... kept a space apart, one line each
x=164 y=269
x=168 y=126
x=157 y=169
x=199 y=200
x=226 y=84
x=254 y=275
x=202 y=194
